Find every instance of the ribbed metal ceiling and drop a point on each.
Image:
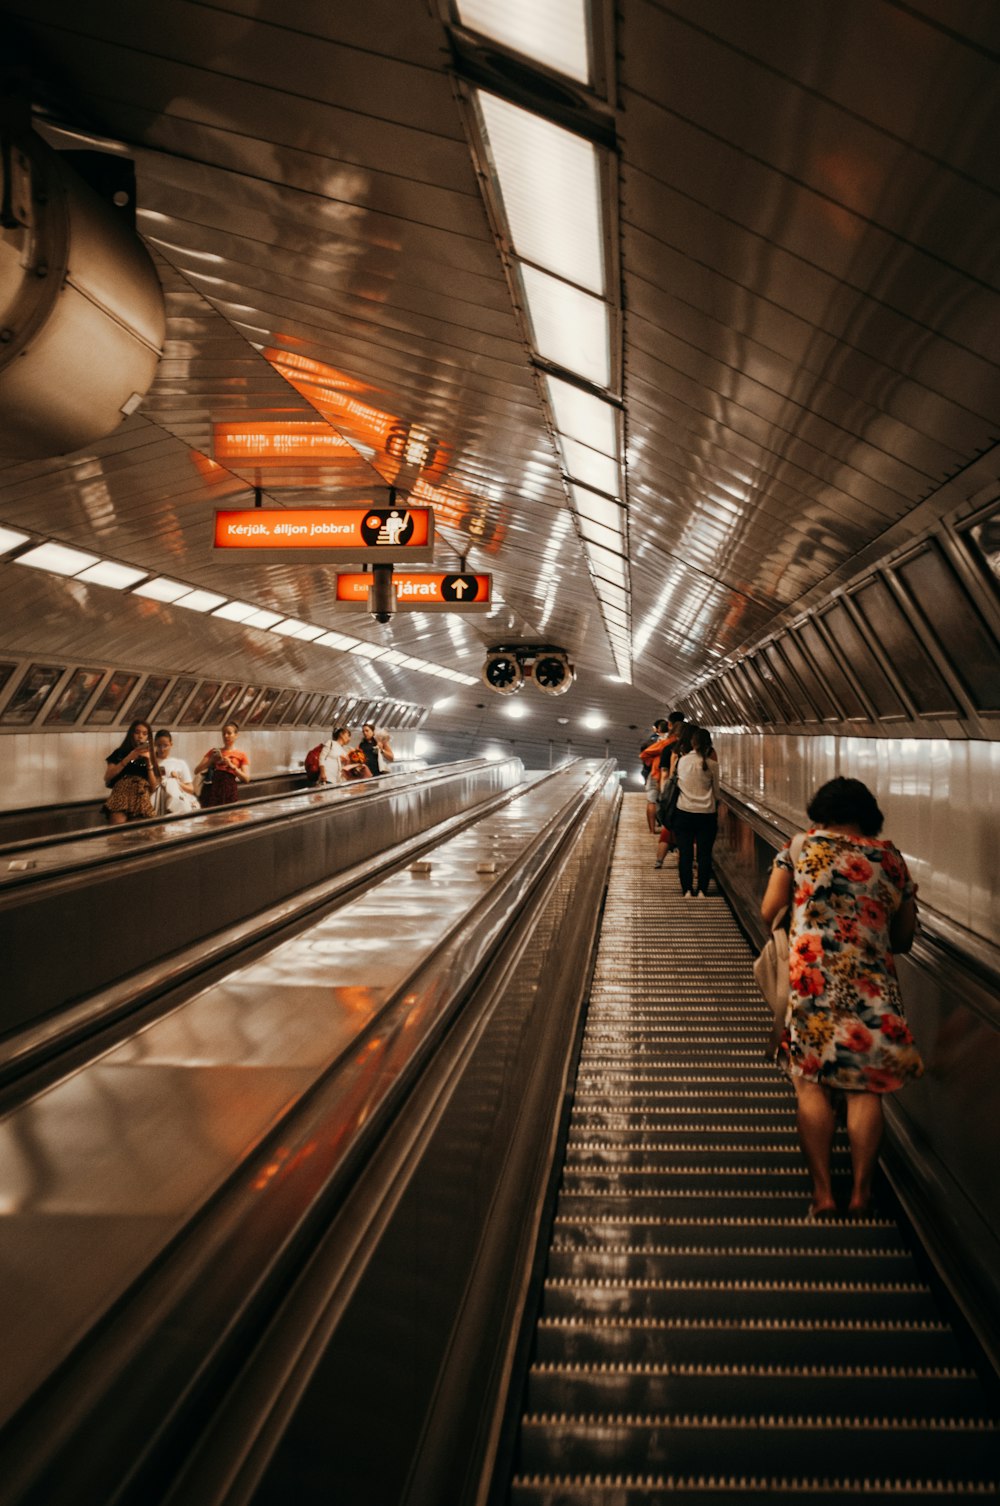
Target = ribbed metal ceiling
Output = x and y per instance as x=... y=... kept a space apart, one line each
x=807 y=228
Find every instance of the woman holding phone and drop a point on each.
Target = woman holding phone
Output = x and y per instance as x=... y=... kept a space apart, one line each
x=133 y=776
x=224 y=770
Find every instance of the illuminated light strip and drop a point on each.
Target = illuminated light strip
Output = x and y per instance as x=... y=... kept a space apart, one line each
x=173 y=593
x=547 y=185
x=556 y=34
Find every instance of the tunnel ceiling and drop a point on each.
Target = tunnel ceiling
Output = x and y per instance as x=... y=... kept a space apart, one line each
x=802 y=245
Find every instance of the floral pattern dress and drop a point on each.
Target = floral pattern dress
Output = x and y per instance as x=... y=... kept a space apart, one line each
x=845 y=1026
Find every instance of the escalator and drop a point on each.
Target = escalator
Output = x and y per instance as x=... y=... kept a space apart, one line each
x=700 y=1339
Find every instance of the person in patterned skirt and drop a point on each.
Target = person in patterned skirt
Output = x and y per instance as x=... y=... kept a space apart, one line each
x=853 y=905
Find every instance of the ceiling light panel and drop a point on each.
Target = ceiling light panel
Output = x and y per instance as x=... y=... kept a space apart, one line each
x=108 y=573
x=240 y=611
x=607 y=564
x=599 y=509
x=162 y=589
x=261 y=619
x=10 y=539
x=200 y=601
x=590 y=466
x=57 y=558
x=581 y=415
x=336 y=640
x=309 y=634
x=288 y=627
x=616 y=596
x=570 y=328
x=596 y=533
x=549 y=184
x=555 y=34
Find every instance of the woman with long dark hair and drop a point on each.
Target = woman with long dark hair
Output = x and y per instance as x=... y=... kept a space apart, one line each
x=696 y=821
x=853 y=905
x=132 y=774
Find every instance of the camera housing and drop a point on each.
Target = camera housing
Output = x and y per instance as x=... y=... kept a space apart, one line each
x=509 y=667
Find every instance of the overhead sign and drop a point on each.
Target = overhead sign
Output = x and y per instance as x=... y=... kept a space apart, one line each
x=424 y=593
x=366 y=533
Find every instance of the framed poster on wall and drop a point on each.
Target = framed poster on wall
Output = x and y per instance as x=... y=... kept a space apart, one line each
x=73 y=697
x=31 y=694
x=113 y=697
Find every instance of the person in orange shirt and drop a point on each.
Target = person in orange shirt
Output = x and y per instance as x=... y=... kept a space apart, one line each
x=224 y=769
x=649 y=753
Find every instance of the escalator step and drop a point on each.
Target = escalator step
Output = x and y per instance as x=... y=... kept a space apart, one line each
x=848 y=1444
x=735 y=1341
x=845 y=1389
x=729 y=1490
x=788 y=1236
x=700 y=1338
x=749 y=1299
x=690 y=1263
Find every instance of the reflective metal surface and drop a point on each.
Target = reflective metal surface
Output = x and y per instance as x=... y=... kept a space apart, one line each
x=151 y=1128
x=807 y=261
x=938 y=797
x=118 y=906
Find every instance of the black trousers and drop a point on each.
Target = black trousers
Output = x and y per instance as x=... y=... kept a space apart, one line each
x=693 y=829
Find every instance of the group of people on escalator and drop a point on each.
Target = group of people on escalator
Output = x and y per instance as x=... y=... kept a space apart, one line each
x=849 y=903
x=147 y=780
x=682 y=799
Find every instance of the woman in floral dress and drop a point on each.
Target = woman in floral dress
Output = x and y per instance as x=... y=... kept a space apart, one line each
x=853 y=905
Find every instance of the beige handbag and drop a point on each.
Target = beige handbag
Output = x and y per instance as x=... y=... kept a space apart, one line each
x=770 y=969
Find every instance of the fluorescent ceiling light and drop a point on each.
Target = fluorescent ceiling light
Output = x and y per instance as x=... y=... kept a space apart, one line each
x=261 y=619
x=581 y=415
x=162 y=589
x=517 y=712
x=336 y=640
x=596 y=533
x=550 y=186
x=308 y=634
x=57 y=558
x=614 y=617
x=368 y=650
x=240 y=611
x=570 y=328
x=10 y=538
x=607 y=563
x=593 y=720
x=554 y=34
x=590 y=466
x=288 y=627
x=108 y=573
x=200 y=601
x=617 y=596
x=589 y=505
x=393 y=656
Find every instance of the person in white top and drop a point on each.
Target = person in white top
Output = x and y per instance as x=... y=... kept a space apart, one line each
x=176 y=793
x=332 y=757
x=696 y=821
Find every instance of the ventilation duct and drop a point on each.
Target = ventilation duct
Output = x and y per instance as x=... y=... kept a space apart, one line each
x=81 y=308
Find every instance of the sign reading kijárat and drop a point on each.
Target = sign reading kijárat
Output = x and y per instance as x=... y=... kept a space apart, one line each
x=424 y=593
x=365 y=533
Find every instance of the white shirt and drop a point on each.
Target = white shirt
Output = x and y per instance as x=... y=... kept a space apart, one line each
x=699 y=788
x=329 y=761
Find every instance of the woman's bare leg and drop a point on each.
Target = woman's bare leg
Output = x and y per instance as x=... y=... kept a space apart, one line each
x=816 y=1124
x=864 y=1131
x=117 y=818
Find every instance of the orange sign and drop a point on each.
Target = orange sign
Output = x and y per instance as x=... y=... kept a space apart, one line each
x=425 y=593
x=368 y=533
